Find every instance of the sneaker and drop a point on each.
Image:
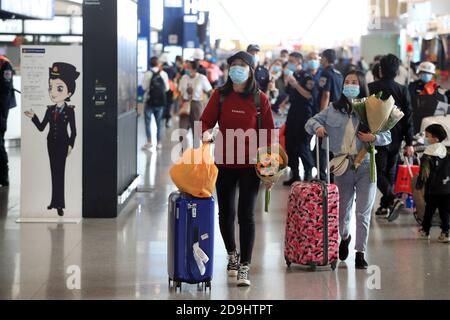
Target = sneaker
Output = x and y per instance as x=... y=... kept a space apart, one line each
x=243 y=276
x=291 y=181
x=394 y=212
x=423 y=235
x=147 y=146
x=360 y=262
x=159 y=146
x=380 y=212
x=343 y=248
x=233 y=264
x=443 y=238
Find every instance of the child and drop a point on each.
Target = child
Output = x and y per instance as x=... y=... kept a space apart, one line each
x=435 y=177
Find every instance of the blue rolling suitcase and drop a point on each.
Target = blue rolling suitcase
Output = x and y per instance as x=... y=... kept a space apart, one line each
x=190 y=240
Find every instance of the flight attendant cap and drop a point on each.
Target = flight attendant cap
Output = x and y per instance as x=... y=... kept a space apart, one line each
x=61 y=70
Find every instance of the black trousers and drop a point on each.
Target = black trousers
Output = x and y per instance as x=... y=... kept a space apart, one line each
x=3 y=159
x=299 y=148
x=227 y=183
x=57 y=153
x=386 y=160
x=433 y=202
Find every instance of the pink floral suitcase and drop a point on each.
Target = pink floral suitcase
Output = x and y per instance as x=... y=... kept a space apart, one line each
x=312 y=225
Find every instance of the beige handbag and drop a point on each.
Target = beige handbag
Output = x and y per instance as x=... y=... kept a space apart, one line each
x=339 y=165
x=185 y=109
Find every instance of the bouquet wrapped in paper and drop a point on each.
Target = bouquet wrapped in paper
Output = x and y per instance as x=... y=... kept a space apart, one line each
x=377 y=115
x=270 y=163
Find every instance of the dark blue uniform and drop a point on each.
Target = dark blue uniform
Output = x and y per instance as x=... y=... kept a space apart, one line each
x=331 y=80
x=7 y=101
x=262 y=77
x=297 y=139
x=58 y=142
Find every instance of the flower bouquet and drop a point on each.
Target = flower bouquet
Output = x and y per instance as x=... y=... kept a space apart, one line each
x=270 y=163
x=378 y=116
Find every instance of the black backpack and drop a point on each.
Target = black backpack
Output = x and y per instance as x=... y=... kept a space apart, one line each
x=157 y=92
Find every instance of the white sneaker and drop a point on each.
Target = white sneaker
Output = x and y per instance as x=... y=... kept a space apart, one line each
x=159 y=146
x=243 y=276
x=147 y=146
x=423 y=235
x=443 y=238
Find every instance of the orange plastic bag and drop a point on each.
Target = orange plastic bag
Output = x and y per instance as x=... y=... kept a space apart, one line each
x=195 y=173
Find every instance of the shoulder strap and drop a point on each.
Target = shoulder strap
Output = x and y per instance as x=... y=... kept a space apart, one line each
x=257 y=98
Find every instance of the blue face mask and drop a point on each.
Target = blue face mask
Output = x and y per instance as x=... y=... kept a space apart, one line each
x=313 y=64
x=276 y=69
x=426 y=142
x=288 y=72
x=239 y=74
x=351 y=91
x=426 y=77
x=292 y=67
x=187 y=72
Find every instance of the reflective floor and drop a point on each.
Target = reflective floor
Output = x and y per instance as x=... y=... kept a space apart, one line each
x=126 y=258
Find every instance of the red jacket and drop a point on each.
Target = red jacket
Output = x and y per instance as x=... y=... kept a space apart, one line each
x=237 y=113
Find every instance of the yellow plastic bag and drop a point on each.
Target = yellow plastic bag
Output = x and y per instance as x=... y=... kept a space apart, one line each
x=195 y=173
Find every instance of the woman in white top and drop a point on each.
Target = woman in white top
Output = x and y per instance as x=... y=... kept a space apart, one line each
x=193 y=86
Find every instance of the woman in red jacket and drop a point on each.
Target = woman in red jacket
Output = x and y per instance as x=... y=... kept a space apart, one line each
x=241 y=111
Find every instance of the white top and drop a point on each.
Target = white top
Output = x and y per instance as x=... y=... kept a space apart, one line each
x=148 y=77
x=199 y=83
x=349 y=142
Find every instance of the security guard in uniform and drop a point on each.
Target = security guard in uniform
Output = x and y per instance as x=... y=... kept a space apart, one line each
x=262 y=75
x=330 y=89
x=62 y=85
x=7 y=101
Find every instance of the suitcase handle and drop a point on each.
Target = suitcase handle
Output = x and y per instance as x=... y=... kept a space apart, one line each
x=327 y=145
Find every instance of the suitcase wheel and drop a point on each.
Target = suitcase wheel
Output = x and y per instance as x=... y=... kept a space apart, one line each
x=208 y=286
x=313 y=266
x=176 y=285
x=334 y=265
x=288 y=263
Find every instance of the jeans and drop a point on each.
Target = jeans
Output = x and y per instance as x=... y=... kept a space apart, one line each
x=158 y=114
x=227 y=184
x=386 y=159
x=356 y=183
x=433 y=202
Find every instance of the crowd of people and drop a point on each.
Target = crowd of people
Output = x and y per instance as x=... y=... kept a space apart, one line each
x=316 y=92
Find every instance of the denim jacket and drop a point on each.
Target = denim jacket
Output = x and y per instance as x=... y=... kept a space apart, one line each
x=335 y=122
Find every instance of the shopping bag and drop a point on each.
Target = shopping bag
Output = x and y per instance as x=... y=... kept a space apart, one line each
x=405 y=174
x=195 y=173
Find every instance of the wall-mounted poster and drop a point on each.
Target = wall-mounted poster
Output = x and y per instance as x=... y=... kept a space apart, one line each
x=51 y=174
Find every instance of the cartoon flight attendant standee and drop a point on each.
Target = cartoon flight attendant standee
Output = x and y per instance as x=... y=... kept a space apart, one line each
x=62 y=86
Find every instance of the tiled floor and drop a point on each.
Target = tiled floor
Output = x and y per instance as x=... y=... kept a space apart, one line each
x=126 y=258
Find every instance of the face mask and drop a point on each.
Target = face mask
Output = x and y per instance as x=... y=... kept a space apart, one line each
x=426 y=77
x=188 y=72
x=313 y=64
x=276 y=69
x=292 y=67
x=288 y=73
x=238 y=74
x=426 y=142
x=351 y=91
